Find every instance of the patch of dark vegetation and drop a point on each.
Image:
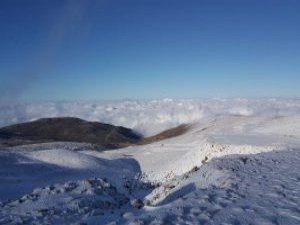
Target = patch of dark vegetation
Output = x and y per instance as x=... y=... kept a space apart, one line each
x=170 y=133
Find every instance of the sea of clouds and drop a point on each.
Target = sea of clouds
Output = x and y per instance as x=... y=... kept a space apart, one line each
x=149 y=116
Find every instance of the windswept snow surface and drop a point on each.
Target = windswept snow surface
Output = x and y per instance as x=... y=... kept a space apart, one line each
x=238 y=164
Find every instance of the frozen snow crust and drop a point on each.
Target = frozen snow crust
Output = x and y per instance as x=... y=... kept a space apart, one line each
x=238 y=164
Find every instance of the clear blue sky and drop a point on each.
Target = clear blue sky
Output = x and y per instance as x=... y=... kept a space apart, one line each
x=107 y=49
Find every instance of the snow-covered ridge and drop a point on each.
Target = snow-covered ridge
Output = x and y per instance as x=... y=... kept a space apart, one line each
x=234 y=166
x=213 y=138
x=149 y=116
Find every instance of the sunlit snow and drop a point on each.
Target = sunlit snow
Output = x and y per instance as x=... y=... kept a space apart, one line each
x=238 y=164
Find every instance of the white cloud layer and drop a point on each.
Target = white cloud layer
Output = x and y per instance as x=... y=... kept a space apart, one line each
x=151 y=116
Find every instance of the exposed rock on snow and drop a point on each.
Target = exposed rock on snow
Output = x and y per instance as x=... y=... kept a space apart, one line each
x=137 y=203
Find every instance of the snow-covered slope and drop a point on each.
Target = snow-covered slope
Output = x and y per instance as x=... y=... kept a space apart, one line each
x=214 y=138
x=238 y=189
x=229 y=168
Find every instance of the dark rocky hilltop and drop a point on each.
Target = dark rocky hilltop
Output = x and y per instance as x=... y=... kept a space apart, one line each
x=68 y=129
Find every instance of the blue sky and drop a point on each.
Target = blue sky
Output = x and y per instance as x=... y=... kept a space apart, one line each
x=107 y=49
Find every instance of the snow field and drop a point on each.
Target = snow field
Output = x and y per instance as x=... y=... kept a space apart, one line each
x=238 y=164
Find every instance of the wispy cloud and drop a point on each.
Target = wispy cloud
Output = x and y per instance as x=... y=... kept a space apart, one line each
x=64 y=20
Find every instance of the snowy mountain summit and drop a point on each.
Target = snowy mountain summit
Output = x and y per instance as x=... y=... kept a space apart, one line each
x=236 y=163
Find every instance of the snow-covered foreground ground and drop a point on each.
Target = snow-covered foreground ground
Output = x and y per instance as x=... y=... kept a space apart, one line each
x=229 y=168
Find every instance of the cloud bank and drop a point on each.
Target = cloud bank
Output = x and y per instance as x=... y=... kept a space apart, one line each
x=151 y=116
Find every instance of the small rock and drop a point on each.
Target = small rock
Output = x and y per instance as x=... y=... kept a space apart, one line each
x=50 y=188
x=137 y=203
x=147 y=202
x=195 y=168
x=204 y=160
x=169 y=187
x=70 y=186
